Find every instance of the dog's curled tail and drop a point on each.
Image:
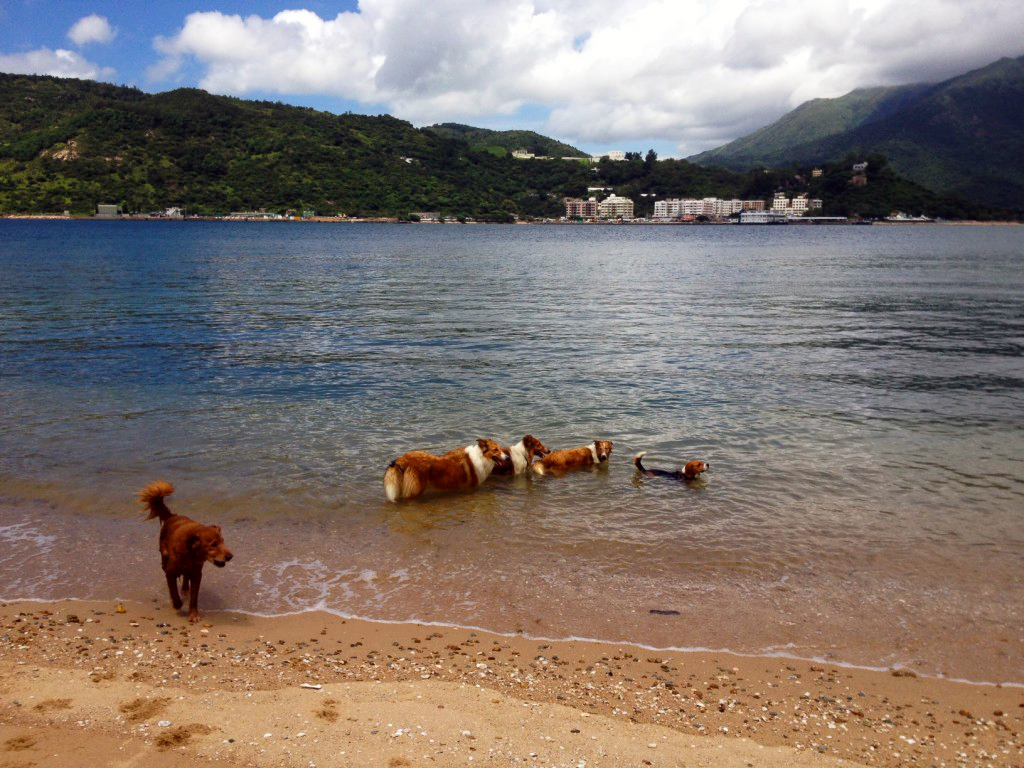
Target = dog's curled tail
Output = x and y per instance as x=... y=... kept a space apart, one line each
x=153 y=497
x=393 y=481
x=636 y=460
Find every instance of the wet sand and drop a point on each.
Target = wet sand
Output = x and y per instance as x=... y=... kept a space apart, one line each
x=86 y=682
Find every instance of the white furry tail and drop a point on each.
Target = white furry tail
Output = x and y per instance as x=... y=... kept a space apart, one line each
x=393 y=482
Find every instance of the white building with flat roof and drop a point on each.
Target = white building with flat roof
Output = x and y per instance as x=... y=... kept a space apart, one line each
x=711 y=207
x=615 y=207
x=798 y=206
x=763 y=217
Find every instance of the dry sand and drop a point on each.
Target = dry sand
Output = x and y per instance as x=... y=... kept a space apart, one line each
x=83 y=683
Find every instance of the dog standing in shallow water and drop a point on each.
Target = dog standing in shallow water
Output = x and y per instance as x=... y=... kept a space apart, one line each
x=410 y=475
x=595 y=453
x=520 y=456
x=687 y=474
x=185 y=546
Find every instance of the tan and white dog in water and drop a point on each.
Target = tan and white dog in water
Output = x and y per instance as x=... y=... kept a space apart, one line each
x=410 y=475
x=689 y=473
x=185 y=546
x=521 y=455
x=593 y=454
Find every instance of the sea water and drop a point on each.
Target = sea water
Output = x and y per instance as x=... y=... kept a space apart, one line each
x=858 y=392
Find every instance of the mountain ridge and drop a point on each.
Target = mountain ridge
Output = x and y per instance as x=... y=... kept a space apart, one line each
x=509 y=141
x=963 y=136
x=71 y=145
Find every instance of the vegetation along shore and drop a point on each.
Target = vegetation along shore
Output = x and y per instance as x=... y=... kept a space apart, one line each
x=75 y=145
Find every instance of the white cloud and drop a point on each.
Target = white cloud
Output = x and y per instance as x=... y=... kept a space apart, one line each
x=294 y=52
x=91 y=29
x=58 y=63
x=691 y=72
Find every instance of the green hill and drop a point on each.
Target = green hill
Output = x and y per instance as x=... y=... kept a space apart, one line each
x=811 y=121
x=506 y=141
x=960 y=137
x=72 y=144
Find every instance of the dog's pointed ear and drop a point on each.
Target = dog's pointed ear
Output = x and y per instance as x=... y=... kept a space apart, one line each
x=216 y=528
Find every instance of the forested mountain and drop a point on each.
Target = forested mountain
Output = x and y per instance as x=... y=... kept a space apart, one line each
x=503 y=142
x=71 y=145
x=964 y=136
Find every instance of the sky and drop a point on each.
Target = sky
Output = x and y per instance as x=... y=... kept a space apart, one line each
x=675 y=76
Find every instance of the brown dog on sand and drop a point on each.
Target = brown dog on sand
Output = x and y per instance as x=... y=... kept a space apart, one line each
x=185 y=546
x=595 y=453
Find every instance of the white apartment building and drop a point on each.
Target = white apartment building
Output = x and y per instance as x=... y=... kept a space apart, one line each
x=615 y=154
x=615 y=207
x=711 y=207
x=798 y=206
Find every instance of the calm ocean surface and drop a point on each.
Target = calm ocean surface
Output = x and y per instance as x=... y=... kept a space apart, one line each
x=858 y=391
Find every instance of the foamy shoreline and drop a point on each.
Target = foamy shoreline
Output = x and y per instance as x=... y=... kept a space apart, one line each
x=314 y=689
x=770 y=655
x=808 y=631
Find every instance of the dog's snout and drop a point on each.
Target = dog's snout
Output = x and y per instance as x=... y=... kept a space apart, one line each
x=221 y=561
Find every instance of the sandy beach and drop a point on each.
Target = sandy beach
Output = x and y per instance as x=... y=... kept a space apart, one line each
x=119 y=684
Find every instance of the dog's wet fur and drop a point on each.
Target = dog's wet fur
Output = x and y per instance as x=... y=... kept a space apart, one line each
x=417 y=471
x=593 y=454
x=185 y=546
x=689 y=473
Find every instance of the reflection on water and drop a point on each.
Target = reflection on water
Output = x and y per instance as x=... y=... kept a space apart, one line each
x=857 y=392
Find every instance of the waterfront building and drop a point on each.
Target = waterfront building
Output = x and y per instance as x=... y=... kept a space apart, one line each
x=798 y=206
x=763 y=217
x=615 y=207
x=710 y=207
x=576 y=208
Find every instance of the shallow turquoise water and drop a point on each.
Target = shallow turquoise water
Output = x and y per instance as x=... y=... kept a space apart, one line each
x=858 y=392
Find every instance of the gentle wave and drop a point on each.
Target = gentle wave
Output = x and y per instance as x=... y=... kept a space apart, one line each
x=857 y=392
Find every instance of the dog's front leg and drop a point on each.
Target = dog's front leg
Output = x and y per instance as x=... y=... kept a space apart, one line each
x=172 y=587
x=193 y=596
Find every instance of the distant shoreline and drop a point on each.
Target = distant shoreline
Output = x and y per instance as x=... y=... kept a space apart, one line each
x=393 y=220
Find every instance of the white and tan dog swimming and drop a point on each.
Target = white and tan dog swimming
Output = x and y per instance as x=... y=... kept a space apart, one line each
x=559 y=462
x=521 y=455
